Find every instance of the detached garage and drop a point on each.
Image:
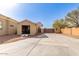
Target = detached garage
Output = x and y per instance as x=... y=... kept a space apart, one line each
x=27 y=27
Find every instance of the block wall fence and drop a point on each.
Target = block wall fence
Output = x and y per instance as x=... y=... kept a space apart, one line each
x=70 y=31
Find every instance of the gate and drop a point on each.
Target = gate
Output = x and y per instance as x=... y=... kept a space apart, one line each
x=48 y=30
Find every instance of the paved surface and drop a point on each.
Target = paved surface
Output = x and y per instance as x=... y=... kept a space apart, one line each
x=43 y=45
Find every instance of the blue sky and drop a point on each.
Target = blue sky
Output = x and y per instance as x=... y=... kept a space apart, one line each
x=42 y=12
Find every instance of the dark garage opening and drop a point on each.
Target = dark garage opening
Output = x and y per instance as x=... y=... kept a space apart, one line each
x=25 y=29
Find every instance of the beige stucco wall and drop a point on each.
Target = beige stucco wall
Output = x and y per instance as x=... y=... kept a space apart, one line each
x=33 y=28
x=3 y=31
x=12 y=30
x=6 y=29
x=42 y=30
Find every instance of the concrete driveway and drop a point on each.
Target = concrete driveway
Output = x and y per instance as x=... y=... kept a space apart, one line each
x=42 y=45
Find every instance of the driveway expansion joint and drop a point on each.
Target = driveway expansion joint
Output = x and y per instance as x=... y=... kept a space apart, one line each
x=33 y=47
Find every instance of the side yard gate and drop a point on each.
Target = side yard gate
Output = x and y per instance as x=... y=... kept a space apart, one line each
x=46 y=30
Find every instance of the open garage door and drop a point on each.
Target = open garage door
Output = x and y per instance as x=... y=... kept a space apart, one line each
x=25 y=29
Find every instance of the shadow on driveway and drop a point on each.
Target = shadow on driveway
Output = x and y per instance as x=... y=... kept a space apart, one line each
x=41 y=36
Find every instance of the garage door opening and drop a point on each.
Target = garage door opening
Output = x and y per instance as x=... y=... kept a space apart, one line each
x=25 y=29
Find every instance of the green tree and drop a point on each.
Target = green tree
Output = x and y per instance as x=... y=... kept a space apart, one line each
x=73 y=18
x=58 y=24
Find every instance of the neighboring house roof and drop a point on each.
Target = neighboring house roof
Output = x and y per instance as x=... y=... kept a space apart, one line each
x=39 y=24
x=8 y=18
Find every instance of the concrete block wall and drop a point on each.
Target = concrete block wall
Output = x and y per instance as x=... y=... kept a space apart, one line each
x=70 y=31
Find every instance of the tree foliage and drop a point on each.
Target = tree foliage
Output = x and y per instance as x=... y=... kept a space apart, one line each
x=73 y=18
x=70 y=20
x=59 y=24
